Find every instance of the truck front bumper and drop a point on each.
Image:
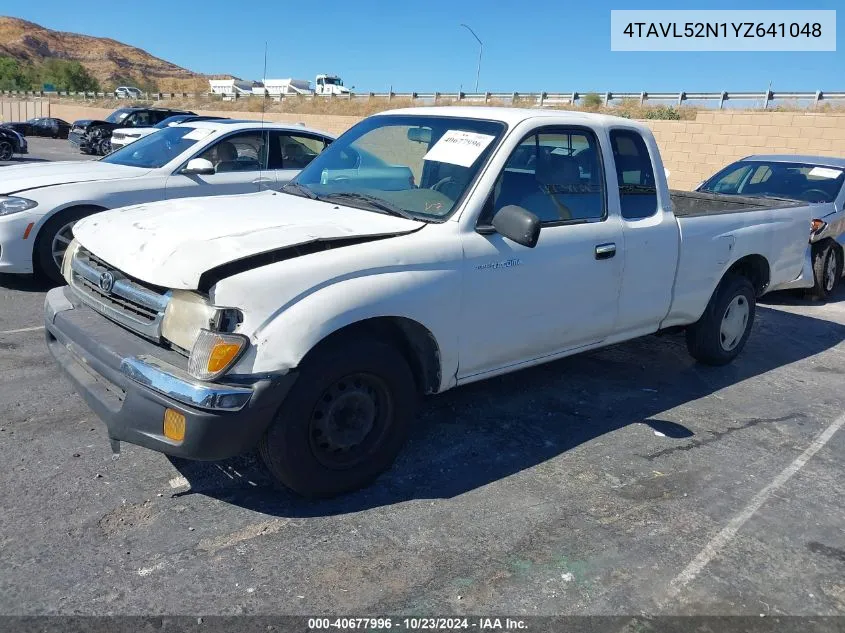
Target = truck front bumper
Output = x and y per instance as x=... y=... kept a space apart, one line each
x=130 y=382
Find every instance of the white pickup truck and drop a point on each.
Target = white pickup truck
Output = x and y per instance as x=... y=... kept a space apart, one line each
x=425 y=249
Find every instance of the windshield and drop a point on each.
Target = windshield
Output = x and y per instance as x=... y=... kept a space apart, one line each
x=417 y=165
x=799 y=181
x=117 y=116
x=157 y=149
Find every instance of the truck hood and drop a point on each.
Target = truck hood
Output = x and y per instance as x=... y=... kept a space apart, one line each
x=173 y=242
x=20 y=178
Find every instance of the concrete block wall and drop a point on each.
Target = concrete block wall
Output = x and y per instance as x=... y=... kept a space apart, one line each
x=692 y=150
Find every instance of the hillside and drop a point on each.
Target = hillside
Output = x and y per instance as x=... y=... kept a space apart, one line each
x=108 y=60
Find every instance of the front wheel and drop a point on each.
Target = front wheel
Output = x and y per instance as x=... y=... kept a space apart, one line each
x=52 y=242
x=6 y=150
x=827 y=270
x=344 y=421
x=720 y=334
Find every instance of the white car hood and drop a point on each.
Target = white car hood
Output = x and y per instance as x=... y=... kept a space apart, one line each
x=20 y=178
x=173 y=242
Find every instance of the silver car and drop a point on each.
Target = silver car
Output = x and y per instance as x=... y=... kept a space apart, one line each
x=819 y=180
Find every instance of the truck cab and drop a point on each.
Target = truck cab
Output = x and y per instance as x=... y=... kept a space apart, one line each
x=329 y=85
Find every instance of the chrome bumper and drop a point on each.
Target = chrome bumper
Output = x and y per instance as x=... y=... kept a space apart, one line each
x=182 y=387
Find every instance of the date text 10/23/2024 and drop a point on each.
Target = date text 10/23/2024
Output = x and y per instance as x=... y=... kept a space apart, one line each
x=418 y=624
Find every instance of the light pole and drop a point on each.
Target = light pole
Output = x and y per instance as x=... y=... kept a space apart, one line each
x=480 y=51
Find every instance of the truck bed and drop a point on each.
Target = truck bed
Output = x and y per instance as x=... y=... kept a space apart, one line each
x=694 y=203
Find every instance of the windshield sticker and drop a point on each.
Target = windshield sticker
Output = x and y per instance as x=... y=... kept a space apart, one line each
x=824 y=172
x=457 y=147
x=197 y=134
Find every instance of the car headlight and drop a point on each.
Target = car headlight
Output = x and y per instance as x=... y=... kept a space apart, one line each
x=13 y=204
x=187 y=316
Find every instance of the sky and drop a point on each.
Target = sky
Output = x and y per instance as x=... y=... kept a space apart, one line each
x=529 y=46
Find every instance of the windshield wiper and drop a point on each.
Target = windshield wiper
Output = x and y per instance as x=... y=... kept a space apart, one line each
x=296 y=189
x=373 y=201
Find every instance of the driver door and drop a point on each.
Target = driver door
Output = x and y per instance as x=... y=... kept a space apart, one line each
x=240 y=166
x=523 y=304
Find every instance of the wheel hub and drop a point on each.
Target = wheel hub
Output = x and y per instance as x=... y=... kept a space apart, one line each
x=61 y=241
x=734 y=322
x=346 y=419
x=830 y=272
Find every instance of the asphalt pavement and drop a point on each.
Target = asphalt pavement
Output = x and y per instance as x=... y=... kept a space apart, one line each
x=46 y=149
x=623 y=481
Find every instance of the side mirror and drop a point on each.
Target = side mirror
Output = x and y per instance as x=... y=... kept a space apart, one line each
x=517 y=224
x=199 y=166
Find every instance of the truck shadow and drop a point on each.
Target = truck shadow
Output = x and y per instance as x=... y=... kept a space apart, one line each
x=475 y=435
x=25 y=283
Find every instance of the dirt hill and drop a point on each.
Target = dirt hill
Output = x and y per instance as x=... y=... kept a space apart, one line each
x=106 y=59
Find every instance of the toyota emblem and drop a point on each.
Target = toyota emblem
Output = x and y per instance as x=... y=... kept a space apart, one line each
x=106 y=282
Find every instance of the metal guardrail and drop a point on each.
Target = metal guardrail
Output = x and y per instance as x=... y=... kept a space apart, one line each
x=716 y=99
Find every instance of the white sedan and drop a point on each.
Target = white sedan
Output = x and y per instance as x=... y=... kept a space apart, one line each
x=40 y=203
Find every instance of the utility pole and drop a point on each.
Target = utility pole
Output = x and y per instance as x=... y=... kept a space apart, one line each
x=480 y=52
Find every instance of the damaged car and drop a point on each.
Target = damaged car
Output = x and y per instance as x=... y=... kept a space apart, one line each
x=425 y=249
x=92 y=136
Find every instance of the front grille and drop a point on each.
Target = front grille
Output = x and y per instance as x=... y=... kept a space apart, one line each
x=76 y=136
x=130 y=302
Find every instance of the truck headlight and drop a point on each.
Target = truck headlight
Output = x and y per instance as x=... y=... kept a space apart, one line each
x=13 y=204
x=68 y=258
x=188 y=314
x=214 y=353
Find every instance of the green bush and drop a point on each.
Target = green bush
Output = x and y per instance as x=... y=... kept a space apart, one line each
x=64 y=75
x=592 y=101
x=667 y=113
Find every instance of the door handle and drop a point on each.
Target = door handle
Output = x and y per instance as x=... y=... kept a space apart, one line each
x=261 y=181
x=606 y=250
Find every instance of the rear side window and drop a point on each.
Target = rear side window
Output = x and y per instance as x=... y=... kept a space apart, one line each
x=293 y=151
x=637 y=187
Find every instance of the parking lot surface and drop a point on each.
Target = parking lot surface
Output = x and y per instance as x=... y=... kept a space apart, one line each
x=44 y=149
x=621 y=481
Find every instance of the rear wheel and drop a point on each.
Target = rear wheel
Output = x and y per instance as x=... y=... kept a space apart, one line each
x=720 y=334
x=6 y=150
x=827 y=270
x=344 y=421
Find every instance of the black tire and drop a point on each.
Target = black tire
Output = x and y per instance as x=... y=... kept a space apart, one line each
x=363 y=383
x=7 y=150
x=706 y=341
x=43 y=262
x=827 y=270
